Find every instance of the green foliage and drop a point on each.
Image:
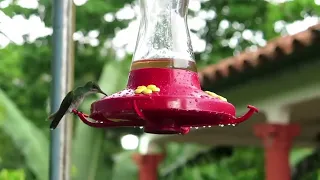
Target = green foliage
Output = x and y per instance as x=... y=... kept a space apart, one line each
x=114 y=75
x=299 y=154
x=178 y=155
x=307 y=166
x=31 y=141
x=124 y=167
x=245 y=163
x=6 y=174
x=85 y=157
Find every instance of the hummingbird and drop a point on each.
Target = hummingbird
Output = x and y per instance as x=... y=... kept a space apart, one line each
x=72 y=101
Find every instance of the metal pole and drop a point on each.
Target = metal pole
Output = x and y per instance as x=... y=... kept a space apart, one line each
x=62 y=70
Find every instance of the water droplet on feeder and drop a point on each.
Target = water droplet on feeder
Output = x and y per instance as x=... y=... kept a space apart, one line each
x=197 y=128
x=209 y=126
x=204 y=126
x=233 y=125
x=221 y=125
x=141 y=127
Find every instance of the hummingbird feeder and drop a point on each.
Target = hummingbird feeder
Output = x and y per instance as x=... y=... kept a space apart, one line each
x=163 y=92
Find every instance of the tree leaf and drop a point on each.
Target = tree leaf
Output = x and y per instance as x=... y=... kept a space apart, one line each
x=18 y=174
x=26 y=136
x=299 y=154
x=114 y=75
x=124 y=163
x=86 y=150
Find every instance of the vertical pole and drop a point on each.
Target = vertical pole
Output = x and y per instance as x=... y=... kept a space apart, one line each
x=277 y=140
x=148 y=165
x=62 y=70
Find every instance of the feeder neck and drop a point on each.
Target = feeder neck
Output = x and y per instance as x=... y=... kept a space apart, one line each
x=163 y=31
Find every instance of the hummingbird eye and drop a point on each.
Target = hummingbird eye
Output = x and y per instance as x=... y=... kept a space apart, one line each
x=95 y=87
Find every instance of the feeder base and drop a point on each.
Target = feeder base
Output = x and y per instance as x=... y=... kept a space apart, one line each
x=163 y=101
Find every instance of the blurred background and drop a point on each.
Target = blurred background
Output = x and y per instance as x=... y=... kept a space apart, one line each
x=104 y=39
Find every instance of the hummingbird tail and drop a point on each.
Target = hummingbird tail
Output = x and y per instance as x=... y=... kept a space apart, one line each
x=53 y=125
x=56 y=120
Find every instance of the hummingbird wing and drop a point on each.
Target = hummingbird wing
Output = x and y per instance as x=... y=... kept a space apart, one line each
x=64 y=107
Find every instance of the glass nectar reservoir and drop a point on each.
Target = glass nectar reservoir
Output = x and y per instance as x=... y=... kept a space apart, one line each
x=163 y=40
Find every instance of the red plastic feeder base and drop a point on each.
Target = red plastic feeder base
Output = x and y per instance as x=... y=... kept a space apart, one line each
x=176 y=104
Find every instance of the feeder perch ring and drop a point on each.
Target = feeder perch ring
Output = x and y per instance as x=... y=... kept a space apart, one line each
x=179 y=105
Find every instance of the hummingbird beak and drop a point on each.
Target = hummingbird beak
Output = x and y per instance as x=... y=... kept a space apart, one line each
x=103 y=93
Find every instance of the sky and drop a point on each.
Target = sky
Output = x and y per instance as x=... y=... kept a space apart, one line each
x=16 y=27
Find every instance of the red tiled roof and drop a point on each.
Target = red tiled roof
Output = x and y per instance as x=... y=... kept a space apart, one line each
x=274 y=49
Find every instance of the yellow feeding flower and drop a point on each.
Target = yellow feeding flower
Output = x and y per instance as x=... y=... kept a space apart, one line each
x=140 y=89
x=154 y=88
x=222 y=98
x=147 y=89
x=216 y=95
